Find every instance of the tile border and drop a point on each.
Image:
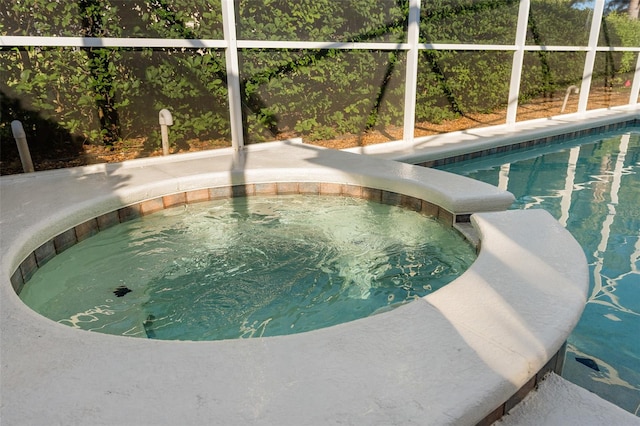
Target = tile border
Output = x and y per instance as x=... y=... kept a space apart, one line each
x=59 y=243
x=554 y=365
x=536 y=142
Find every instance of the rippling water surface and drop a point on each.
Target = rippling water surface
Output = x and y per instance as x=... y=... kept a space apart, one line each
x=592 y=186
x=248 y=267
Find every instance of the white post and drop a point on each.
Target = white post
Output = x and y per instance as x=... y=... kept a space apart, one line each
x=411 y=76
x=23 y=148
x=598 y=11
x=233 y=73
x=518 y=60
x=635 y=87
x=166 y=119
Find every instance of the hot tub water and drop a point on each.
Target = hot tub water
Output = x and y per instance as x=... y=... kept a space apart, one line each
x=248 y=267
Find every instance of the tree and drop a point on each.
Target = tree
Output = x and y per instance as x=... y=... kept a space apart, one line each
x=634 y=9
x=631 y=7
x=103 y=72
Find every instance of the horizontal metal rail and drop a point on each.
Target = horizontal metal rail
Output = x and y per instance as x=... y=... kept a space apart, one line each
x=45 y=41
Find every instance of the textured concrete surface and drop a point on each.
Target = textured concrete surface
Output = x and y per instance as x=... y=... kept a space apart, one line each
x=560 y=402
x=449 y=358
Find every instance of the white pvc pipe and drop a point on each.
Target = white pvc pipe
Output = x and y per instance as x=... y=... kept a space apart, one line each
x=166 y=119
x=23 y=148
x=570 y=89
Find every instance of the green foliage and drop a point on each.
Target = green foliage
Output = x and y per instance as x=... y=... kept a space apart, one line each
x=323 y=20
x=190 y=84
x=546 y=73
x=626 y=33
x=554 y=23
x=468 y=21
x=61 y=94
x=320 y=93
x=40 y=17
x=453 y=83
x=102 y=94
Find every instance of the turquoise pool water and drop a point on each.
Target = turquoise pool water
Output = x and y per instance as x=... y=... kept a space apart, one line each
x=592 y=186
x=248 y=267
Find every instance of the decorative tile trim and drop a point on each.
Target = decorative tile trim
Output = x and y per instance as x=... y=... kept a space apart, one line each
x=266 y=188
x=17 y=282
x=87 y=229
x=287 y=188
x=40 y=256
x=45 y=253
x=174 y=200
x=220 y=193
x=128 y=213
x=107 y=220
x=28 y=267
x=197 y=196
x=152 y=206
x=553 y=365
x=548 y=140
x=309 y=188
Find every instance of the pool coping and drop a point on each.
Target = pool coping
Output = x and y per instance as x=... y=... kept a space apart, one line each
x=462 y=355
x=437 y=150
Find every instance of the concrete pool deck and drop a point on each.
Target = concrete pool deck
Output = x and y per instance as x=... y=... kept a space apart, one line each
x=456 y=356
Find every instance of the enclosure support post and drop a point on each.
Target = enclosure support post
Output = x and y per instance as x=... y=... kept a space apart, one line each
x=587 y=73
x=233 y=73
x=518 y=60
x=635 y=86
x=411 y=76
x=23 y=148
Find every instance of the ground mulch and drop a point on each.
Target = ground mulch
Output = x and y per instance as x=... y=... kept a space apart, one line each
x=72 y=155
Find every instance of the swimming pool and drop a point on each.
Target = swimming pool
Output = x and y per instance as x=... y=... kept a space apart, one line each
x=592 y=186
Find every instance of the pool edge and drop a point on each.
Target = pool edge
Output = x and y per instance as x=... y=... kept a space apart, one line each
x=525 y=385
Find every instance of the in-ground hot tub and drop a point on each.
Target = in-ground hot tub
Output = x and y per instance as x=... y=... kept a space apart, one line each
x=457 y=355
x=249 y=267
